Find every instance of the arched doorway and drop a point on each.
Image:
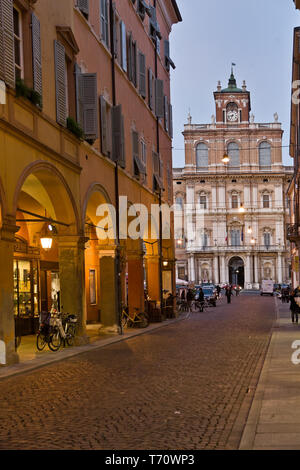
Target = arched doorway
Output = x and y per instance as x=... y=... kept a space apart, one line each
x=236 y=271
x=45 y=209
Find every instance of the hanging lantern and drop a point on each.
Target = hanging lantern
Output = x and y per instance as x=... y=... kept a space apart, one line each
x=47 y=236
x=165 y=263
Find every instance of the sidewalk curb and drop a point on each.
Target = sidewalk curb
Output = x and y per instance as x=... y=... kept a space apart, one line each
x=34 y=364
x=249 y=433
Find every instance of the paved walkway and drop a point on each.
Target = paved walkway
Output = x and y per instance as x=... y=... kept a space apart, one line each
x=274 y=419
x=31 y=359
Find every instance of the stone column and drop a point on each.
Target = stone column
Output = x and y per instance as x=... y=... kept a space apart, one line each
x=136 y=297
x=8 y=355
x=223 y=270
x=216 y=270
x=248 y=272
x=72 y=280
x=279 y=268
x=109 y=288
x=153 y=267
x=256 y=286
x=191 y=261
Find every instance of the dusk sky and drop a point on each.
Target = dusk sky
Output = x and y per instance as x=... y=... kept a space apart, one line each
x=257 y=36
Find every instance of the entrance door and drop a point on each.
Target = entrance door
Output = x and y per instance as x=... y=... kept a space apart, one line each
x=236 y=271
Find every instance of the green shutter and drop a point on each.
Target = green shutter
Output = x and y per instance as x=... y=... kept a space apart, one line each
x=7 y=53
x=60 y=81
x=36 y=54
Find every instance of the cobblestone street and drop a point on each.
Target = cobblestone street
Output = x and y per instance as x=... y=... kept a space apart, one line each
x=180 y=387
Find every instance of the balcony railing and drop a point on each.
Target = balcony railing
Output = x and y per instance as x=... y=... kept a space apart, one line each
x=293 y=232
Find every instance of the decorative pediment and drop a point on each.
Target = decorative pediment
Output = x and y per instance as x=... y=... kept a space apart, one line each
x=68 y=36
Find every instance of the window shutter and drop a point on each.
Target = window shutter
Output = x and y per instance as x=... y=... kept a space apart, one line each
x=166 y=113
x=129 y=56
x=89 y=99
x=135 y=144
x=104 y=21
x=60 y=80
x=171 y=121
x=36 y=54
x=123 y=46
x=118 y=148
x=150 y=89
x=7 y=52
x=168 y=60
x=142 y=74
x=83 y=6
x=103 y=118
x=159 y=98
x=79 y=103
x=134 y=63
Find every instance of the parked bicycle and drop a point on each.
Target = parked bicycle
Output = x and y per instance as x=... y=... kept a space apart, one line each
x=64 y=330
x=137 y=320
x=45 y=331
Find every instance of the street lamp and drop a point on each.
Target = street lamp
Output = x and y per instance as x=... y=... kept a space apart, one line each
x=226 y=159
x=242 y=209
x=249 y=231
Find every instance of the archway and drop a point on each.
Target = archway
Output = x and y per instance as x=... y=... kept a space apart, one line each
x=100 y=258
x=236 y=271
x=44 y=277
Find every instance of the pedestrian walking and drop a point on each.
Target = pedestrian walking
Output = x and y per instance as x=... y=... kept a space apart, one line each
x=218 y=288
x=228 y=294
x=294 y=307
x=190 y=298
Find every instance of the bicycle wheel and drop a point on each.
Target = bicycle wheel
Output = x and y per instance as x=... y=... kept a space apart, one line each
x=70 y=338
x=142 y=320
x=55 y=341
x=40 y=342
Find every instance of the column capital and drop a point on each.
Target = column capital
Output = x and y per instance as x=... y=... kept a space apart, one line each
x=9 y=229
x=72 y=241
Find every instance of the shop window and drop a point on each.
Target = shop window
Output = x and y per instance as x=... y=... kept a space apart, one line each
x=26 y=301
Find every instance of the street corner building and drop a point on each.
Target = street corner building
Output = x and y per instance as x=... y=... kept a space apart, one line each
x=235 y=181
x=85 y=117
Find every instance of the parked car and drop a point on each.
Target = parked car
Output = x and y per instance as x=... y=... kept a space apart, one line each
x=267 y=287
x=210 y=294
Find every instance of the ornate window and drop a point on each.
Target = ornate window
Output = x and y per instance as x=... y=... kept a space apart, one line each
x=267 y=239
x=234 y=201
x=266 y=201
x=235 y=237
x=179 y=202
x=233 y=152
x=202 y=157
x=265 y=156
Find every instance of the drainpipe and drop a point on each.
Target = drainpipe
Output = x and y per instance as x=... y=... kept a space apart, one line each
x=114 y=99
x=160 y=190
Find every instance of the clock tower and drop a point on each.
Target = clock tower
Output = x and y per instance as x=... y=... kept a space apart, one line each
x=232 y=104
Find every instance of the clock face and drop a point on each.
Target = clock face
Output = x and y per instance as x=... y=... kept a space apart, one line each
x=232 y=116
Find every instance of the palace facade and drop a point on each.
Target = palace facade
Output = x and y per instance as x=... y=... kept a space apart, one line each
x=236 y=209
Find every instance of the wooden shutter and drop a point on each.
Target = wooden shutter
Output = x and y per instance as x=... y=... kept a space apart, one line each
x=89 y=100
x=36 y=54
x=60 y=81
x=7 y=52
x=103 y=118
x=104 y=21
x=118 y=150
x=171 y=121
x=142 y=74
x=78 y=92
x=166 y=113
x=150 y=89
x=129 y=56
x=159 y=98
x=123 y=46
x=134 y=63
x=83 y=6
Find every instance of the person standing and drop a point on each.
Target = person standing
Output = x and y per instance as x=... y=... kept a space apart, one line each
x=228 y=294
x=218 y=288
x=190 y=298
x=294 y=307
